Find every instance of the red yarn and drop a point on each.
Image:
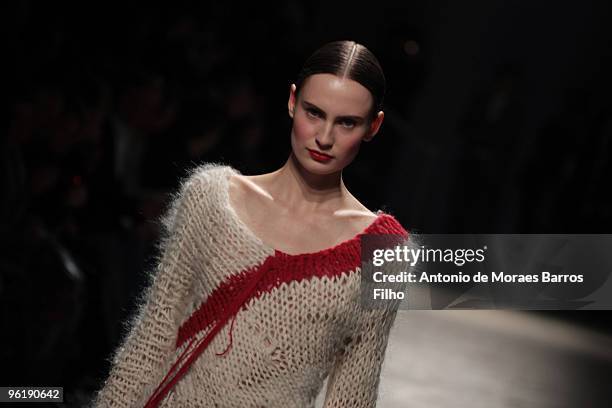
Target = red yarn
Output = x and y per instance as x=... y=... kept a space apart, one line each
x=230 y=338
x=232 y=294
x=185 y=360
x=343 y=257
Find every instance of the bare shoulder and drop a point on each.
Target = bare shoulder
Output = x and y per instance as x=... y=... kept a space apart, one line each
x=354 y=208
x=243 y=187
x=236 y=188
x=357 y=215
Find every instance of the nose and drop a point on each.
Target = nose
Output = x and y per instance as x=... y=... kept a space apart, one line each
x=325 y=139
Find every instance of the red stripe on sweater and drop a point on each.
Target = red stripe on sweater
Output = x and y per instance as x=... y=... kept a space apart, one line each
x=232 y=294
x=283 y=268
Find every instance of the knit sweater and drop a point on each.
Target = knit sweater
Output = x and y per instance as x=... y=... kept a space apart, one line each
x=227 y=321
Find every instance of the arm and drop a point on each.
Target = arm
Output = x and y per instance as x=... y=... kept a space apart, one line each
x=354 y=379
x=138 y=362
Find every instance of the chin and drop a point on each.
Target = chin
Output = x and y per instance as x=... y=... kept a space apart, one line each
x=321 y=169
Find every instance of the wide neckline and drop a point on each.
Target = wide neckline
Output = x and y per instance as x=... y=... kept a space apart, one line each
x=230 y=171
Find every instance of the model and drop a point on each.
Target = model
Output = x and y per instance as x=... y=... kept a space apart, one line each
x=256 y=297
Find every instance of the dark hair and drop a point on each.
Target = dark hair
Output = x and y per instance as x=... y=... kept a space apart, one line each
x=351 y=60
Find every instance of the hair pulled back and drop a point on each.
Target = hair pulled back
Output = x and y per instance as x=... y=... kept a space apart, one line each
x=347 y=59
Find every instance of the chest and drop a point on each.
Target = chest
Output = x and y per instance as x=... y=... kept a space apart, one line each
x=289 y=232
x=294 y=233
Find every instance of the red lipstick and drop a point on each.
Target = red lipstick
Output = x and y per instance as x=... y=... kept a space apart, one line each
x=319 y=156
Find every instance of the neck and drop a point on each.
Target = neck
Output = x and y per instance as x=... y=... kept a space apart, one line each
x=305 y=191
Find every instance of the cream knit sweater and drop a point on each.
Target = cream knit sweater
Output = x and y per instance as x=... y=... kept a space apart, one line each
x=283 y=322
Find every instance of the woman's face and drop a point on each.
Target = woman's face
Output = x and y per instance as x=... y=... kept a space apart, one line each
x=330 y=120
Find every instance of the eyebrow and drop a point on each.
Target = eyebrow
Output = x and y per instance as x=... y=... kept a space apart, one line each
x=312 y=105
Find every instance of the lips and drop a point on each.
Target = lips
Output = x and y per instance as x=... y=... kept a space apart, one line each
x=319 y=156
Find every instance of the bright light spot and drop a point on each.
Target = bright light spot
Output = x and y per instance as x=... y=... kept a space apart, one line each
x=411 y=47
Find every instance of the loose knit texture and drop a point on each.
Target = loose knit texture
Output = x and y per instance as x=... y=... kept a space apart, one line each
x=244 y=324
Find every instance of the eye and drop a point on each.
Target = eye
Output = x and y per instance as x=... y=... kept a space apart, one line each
x=349 y=124
x=313 y=113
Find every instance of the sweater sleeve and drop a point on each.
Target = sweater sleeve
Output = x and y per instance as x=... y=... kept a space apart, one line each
x=137 y=364
x=354 y=379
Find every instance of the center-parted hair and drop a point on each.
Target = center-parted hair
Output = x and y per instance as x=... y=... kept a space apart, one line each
x=347 y=59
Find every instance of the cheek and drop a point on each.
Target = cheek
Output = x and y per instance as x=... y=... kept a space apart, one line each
x=350 y=144
x=302 y=129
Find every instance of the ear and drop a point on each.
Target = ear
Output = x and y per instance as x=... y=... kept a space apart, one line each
x=291 y=102
x=374 y=126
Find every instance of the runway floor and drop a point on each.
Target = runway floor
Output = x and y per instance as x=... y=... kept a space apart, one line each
x=485 y=359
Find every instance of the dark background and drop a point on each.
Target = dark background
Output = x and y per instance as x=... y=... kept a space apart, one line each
x=498 y=120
